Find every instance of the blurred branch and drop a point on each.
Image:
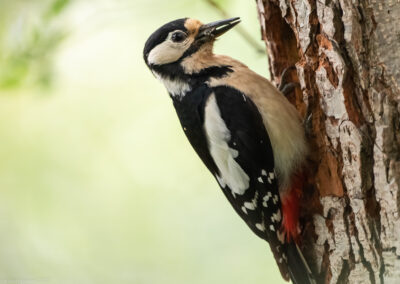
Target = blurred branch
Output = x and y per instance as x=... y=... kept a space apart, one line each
x=244 y=34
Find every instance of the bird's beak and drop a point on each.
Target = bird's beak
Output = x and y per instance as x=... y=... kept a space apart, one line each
x=215 y=29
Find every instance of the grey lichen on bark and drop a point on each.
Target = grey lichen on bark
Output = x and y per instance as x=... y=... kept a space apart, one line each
x=347 y=58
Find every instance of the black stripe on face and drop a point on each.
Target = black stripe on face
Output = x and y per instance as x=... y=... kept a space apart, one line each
x=161 y=34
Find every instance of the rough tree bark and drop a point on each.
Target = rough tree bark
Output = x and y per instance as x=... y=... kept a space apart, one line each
x=347 y=59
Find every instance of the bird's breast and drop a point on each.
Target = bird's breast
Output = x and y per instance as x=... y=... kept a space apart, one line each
x=176 y=87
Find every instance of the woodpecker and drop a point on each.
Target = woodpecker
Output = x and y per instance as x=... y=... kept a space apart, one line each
x=243 y=129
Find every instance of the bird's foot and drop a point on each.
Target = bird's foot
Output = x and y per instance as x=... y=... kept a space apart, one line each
x=286 y=86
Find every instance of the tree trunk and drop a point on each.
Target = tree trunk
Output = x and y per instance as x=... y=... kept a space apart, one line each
x=347 y=58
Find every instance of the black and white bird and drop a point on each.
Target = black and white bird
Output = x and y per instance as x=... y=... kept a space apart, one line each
x=243 y=128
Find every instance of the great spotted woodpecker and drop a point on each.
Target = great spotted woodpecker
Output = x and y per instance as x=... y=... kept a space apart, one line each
x=244 y=130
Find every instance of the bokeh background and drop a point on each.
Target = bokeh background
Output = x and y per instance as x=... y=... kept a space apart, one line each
x=97 y=181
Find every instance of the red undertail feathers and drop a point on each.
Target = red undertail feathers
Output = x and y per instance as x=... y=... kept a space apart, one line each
x=291 y=209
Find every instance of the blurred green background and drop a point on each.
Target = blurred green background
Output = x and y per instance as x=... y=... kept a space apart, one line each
x=97 y=181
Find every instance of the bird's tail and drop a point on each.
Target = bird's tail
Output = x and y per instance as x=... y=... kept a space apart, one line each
x=299 y=271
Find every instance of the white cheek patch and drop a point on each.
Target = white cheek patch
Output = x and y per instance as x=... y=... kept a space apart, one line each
x=164 y=53
x=218 y=136
x=168 y=51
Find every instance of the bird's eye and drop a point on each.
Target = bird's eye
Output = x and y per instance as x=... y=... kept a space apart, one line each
x=178 y=36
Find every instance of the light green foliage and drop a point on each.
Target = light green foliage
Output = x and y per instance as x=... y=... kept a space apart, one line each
x=29 y=35
x=97 y=181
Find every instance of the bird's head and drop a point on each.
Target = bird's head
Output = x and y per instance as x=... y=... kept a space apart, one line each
x=176 y=40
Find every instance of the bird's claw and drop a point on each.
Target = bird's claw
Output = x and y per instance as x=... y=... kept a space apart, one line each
x=285 y=86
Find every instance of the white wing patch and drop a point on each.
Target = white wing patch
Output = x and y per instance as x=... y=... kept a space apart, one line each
x=218 y=136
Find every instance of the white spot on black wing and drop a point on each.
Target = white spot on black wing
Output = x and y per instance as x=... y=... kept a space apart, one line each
x=281 y=236
x=276 y=217
x=266 y=198
x=275 y=199
x=249 y=205
x=271 y=177
x=252 y=205
x=260 y=226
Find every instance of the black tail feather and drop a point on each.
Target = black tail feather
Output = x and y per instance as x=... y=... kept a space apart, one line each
x=299 y=271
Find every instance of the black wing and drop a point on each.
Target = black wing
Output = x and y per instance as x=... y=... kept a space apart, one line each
x=259 y=206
